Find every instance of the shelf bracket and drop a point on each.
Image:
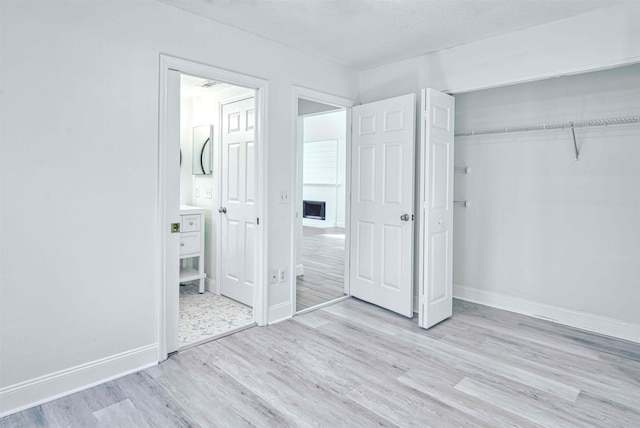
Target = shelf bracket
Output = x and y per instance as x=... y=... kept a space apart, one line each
x=575 y=144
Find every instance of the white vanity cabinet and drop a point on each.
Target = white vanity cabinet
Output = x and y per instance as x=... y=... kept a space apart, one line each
x=192 y=245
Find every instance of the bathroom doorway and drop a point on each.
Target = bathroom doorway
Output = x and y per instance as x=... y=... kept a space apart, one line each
x=214 y=120
x=208 y=181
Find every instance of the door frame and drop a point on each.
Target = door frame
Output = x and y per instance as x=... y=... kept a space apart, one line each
x=167 y=63
x=301 y=92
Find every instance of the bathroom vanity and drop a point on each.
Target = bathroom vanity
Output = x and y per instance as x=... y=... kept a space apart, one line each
x=192 y=245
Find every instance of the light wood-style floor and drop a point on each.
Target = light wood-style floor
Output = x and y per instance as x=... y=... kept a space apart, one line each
x=323 y=259
x=356 y=365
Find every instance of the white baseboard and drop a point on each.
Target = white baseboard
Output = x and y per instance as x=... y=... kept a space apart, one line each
x=322 y=224
x=279 y=312
x=299 y=269
x=23 y=395
x=211 y=285
x=582 y=320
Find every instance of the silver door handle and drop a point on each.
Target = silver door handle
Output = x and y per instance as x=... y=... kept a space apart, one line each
x=404 y=217
x=222 y=210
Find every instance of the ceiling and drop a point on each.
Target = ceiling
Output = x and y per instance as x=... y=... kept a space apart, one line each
x=367 y=33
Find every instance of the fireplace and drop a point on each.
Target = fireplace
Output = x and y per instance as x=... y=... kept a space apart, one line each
x=313 y=209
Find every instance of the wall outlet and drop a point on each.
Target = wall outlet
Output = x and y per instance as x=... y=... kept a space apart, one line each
x=274 y=274
x=283 y=275
x=209 y=193
x=283 y=197
x=197 y=192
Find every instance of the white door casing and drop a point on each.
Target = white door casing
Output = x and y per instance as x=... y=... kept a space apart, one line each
x=435 y=253
x=171 y=204
x=238 y=210
x=382 y=202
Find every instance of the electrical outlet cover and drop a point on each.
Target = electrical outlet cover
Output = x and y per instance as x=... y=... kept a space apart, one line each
x=273 y=276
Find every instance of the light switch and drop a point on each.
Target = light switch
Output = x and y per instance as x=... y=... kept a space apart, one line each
x=284 y=197
x=209 y=193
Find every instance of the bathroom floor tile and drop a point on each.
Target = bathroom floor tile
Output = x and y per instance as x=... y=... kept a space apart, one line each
x=205 y=315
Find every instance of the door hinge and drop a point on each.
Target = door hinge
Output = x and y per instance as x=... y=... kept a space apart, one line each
x=258 y=220
x=413 y=217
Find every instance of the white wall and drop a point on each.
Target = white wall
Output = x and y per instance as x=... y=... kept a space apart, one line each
x=602 y=38
x=591 y=41
x=79 y=291
x=186 y=148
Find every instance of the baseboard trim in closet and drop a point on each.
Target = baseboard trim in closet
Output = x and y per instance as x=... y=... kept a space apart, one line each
x=582 y=320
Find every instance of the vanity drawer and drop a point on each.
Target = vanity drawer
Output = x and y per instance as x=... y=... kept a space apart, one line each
x=189 y=243
x=190 y=223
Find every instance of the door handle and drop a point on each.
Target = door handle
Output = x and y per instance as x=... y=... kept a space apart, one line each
x=404 y=217
x=222 y=210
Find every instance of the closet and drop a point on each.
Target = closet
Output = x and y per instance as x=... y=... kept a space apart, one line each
x=552 y=224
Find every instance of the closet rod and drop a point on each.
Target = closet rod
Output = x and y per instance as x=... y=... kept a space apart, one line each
x=578 y=124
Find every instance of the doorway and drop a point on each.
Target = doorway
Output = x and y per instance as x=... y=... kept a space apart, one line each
x=194 y=180
x=321 y=208
x=208 y=306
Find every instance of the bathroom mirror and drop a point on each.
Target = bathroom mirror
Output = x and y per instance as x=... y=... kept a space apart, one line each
x=202 y=150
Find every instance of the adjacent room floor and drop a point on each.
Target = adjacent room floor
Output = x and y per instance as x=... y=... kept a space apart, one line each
x=208 y=315
x=355 y=364
x=323 y=259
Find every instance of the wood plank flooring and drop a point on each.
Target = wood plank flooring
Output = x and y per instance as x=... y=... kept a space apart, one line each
x=353 y=364
x=323 y=259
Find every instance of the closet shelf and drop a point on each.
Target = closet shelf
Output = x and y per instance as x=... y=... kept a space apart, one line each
x=565 y=125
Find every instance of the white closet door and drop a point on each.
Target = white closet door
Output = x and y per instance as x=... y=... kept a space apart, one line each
x=435 y=272
x=381 y=246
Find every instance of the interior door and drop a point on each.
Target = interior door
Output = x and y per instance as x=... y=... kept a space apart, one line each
x=238 y=205
x=172 y=209
x=381 y=245
x=436 y=198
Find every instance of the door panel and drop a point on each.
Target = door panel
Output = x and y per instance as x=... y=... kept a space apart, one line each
x=436 y=196
x=392 y=267
x=237 y=276
x=383 y=145
x=392 y=172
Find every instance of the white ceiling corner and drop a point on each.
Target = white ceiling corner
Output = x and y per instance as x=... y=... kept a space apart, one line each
x=367 y=33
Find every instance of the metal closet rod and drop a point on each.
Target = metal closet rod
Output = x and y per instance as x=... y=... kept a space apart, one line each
x=577 y=124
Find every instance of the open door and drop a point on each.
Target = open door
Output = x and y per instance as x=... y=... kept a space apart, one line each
x=238 y=201
x=381 y=246
x=435 y=268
